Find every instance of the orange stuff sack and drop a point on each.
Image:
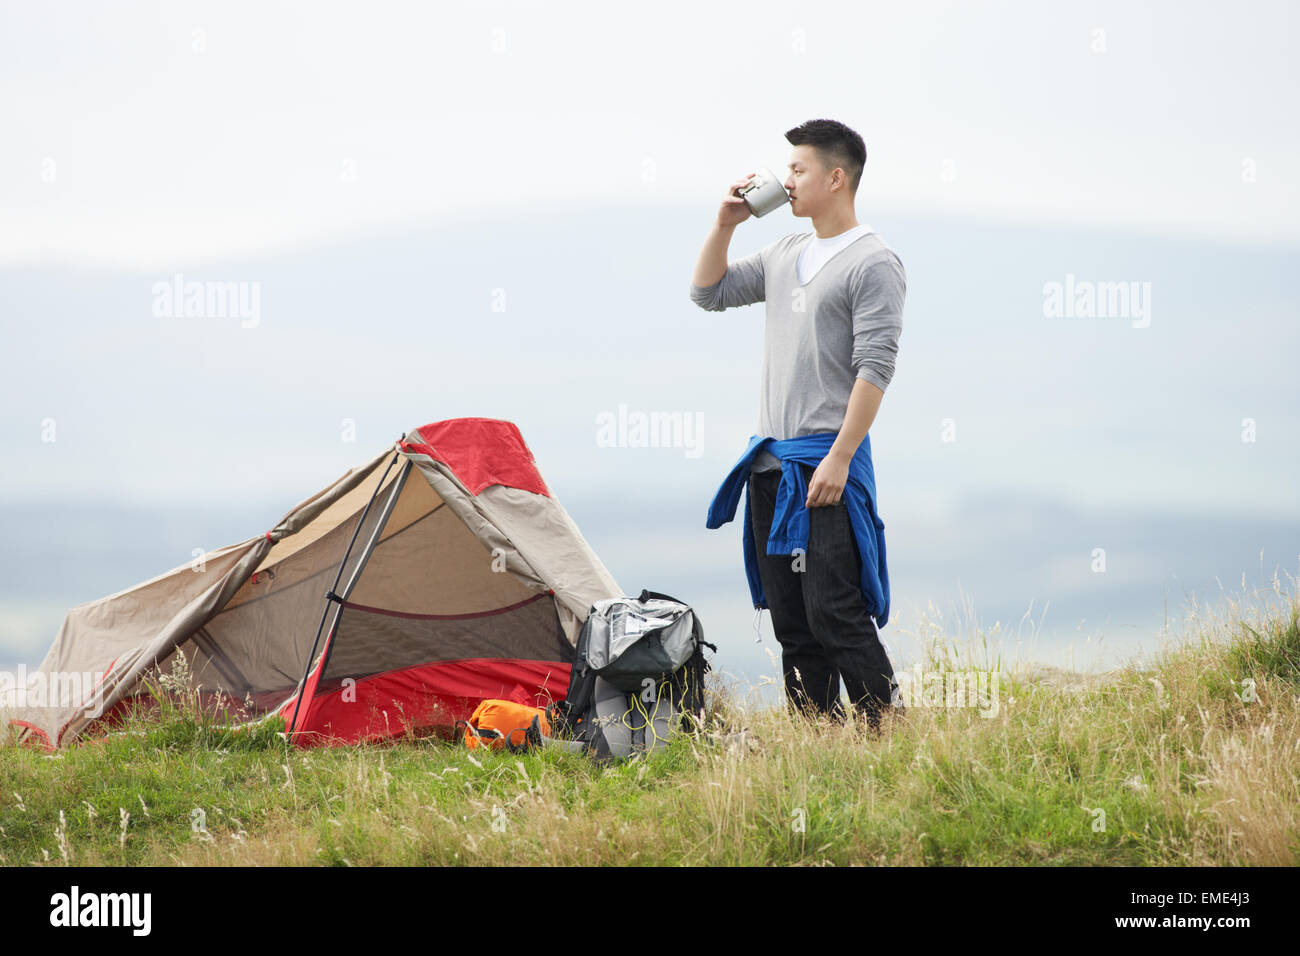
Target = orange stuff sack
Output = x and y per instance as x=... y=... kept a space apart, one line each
x=496 y=721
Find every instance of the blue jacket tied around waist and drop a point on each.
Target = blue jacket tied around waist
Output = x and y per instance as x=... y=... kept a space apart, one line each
x=790 y=517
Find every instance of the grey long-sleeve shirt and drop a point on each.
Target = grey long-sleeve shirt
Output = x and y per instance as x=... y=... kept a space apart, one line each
x=842 y=324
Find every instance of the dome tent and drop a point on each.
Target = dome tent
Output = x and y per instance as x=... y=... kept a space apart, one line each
x=440 y=573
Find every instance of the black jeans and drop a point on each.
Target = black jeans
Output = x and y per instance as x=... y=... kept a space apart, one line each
x=818 y=613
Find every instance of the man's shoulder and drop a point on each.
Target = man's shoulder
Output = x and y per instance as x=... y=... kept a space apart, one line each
x=873 y=248
x=871 y=255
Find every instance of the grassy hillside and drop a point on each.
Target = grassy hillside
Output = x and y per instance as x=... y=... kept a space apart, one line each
x=1191 y=758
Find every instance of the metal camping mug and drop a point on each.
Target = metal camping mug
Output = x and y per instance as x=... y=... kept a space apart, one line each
x=764 y=193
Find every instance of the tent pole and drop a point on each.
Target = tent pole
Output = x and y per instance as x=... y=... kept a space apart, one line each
x=302 y=685
x=395 y=492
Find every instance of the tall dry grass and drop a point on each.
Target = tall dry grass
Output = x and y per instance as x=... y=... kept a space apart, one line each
x=1190 y=757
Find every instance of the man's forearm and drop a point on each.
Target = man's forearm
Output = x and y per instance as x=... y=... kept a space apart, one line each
x=864 y=402
x=711 y=266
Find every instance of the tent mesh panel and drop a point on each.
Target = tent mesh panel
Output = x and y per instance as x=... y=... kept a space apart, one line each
x=371 y=642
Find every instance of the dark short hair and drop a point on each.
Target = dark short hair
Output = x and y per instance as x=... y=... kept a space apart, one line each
x=836 y=145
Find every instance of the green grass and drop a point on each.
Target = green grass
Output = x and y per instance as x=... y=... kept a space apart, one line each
x=1189 y=759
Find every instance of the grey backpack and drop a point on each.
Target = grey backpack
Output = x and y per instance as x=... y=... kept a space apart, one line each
x=639 y=670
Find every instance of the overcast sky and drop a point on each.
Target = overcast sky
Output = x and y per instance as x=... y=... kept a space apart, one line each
x=181 y=131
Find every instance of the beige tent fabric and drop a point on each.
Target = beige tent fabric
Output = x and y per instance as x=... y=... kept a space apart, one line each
x=431 y=563
x=259 y=642
x=126 y=631
x=537 y=539
x=132 y=629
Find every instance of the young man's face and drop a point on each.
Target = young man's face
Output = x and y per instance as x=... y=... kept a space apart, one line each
x=809 y=182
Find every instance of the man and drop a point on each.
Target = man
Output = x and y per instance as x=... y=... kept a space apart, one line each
x=834 y=304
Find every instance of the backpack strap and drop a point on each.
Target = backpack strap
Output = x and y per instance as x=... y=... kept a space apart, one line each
x=485 y=737
x=565 y=715
x=532 y=737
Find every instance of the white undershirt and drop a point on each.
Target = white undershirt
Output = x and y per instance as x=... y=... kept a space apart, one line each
x=817 y=252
